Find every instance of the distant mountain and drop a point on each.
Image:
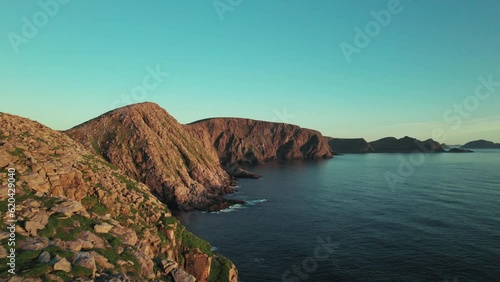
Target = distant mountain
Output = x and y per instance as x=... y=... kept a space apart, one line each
x=152 y=147
x=80 y=218
x=238 y=140
x=406 y=145
x=349 y=145
x=481 y=144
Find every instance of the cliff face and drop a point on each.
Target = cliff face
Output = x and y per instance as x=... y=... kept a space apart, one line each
x=349 y=145
x=250 y=141
x=152 y=147
x=481 y=144
x=406 y=145
x=80 y=217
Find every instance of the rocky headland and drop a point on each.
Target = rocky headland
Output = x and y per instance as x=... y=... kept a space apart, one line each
x=152 y=147
x=81 y=218
x=349 y=145
x=246 y=141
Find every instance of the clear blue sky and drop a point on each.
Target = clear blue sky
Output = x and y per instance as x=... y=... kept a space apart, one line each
x=267 y=59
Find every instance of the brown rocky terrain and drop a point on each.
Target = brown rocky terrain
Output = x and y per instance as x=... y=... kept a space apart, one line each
x=406 y=145
x=152 y=147
x=349 y=145
x=249 y=141
x=80 y=218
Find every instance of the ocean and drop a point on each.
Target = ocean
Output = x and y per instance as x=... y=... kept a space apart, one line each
x=340 y=220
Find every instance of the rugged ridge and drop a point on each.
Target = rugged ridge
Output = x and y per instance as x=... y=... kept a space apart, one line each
x=82 y=219
x=238 y=140
x=349 y=145
x=406 y=145
x=481 y=144
x=152 y=147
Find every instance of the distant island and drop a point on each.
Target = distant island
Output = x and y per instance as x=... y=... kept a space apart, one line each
x=389 y=145
x=481 y=144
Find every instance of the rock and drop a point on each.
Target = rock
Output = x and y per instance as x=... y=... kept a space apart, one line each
x=180 y=275
x=146 y=264
x=103 y=228
x=459 y=150
x=34 y=244
x=4 y=235
x=101 y=261
x=169 y=265
x=32 y=227
x=96 y=241
x=61 y=264
x=25 y=279
x=198 y=264
x=44 y=257
x=127 y=235
x=53 y=278
x=69 y=208
x=86 y=245
x=3 y=252
x=85 y=259
x=235 y=171
x=74 y=246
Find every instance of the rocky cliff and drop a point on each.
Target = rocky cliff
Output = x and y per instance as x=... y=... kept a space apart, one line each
x=481 y=144
x=406 y=145
x=349 y=145
x=80 y=218
x=153 y=148
x=250 y=141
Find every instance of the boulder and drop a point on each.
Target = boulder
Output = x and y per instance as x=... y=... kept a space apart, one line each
x=127 y=235
x=198 y=264
x=34 y=244
x=169 y=265
x=61 y=264
x=180 y=275
x=146 y=265
x=103 y=228
x=85 y=259
x=44 y=257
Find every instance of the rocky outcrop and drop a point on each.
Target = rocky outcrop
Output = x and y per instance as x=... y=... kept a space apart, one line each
x=406 y=145
x=459 y=150
x=249 y=141
x=152 y=147
x=349 y=145
x=481 y=144
x=79 y=218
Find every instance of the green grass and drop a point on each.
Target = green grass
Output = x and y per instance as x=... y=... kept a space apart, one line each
x=190 y=241
x=54 y=250
x=96 y=148
x=92 y=204
x=113 y=241
x=80 y=271
x=131 y=185
x=18 y=152
x=24 y=261
x=65 y=228
x=37 y=270
x=219 y=270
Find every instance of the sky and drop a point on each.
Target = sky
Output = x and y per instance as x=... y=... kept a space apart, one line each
x=371 y=69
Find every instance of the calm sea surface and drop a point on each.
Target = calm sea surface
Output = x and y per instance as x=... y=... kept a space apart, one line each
x=339 y=220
